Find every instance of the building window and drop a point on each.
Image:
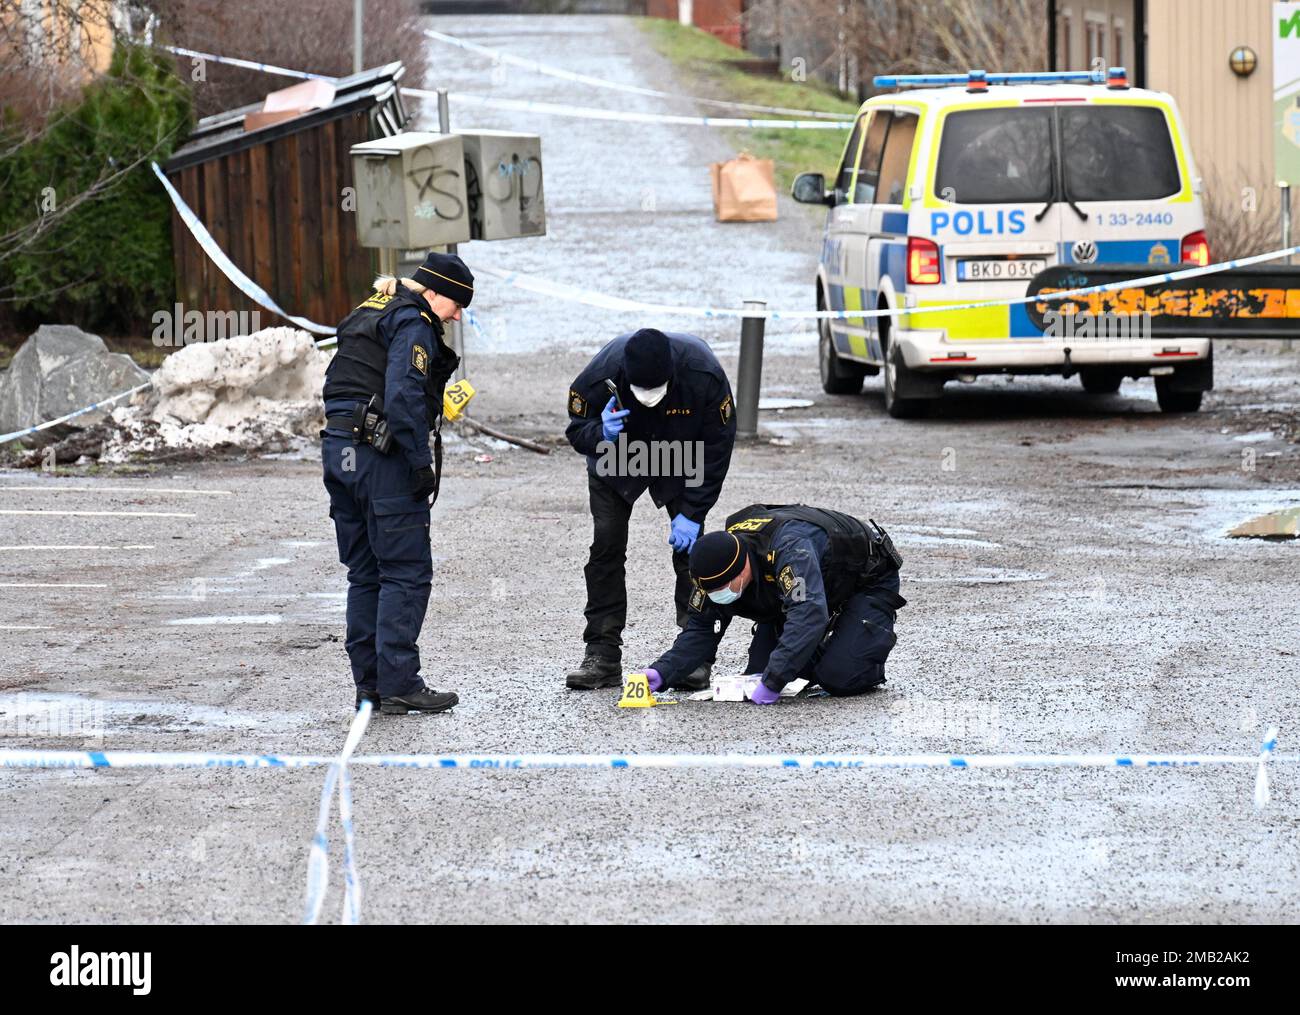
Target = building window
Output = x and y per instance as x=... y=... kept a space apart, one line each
x=1064 y=42
x=1095 y=33
x=1117 y=54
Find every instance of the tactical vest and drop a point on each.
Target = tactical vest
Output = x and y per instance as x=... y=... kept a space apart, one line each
x=855 y=555
x=358 y=367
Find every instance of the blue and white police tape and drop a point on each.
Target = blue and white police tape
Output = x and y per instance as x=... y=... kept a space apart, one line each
x=351 y=914
x=520 y=105
x=39 y=758
x=228 y=267
x=588 y=297
x=5 y=438
x=249 y=64
x=575 y=294
x=1266 y=750
x=625 y=116
x=497 y=56
x=318 y=854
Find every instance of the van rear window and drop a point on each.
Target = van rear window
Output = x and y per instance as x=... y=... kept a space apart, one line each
x=996 y=156
x=1117 y=153
x=1106 y=153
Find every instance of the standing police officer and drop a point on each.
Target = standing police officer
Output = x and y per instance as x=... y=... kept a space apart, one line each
x=821 y=585
x=383 y=397
x=654 y=387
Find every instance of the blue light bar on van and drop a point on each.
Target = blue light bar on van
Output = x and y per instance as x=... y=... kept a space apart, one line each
x=1066 y=77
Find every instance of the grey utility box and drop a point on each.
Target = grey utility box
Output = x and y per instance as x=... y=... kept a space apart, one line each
x=411 y=191
x=503 y=177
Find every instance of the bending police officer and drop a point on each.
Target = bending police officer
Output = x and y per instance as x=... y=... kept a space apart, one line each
x=663 y=395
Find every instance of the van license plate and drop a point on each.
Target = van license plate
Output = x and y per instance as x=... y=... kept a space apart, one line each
x=998 y=271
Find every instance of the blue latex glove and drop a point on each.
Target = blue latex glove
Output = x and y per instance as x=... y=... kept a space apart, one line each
x=612 y=420
x=683 y=533
x=656 y=681
x=764 y=695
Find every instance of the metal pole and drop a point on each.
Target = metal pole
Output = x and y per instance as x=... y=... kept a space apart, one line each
x=1286 y=232
x=749 y=373
x=457 y=332
x=358 y=16
x=1286 y=216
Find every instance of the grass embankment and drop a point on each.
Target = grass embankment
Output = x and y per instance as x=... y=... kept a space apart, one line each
x=711 y=69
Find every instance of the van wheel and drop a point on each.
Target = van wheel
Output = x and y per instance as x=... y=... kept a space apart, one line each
x=895 y=371
x=1176 y=401
x=1100 y=382
x=838 y=377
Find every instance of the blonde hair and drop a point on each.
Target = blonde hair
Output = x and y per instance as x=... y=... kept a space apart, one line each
x=387 y=285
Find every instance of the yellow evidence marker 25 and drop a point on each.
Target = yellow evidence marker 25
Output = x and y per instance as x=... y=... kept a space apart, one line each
x=455 y=398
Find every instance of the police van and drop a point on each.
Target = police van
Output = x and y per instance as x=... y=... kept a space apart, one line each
x=959 y=189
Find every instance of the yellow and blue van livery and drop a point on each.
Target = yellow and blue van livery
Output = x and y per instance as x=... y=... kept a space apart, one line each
x=959 y=189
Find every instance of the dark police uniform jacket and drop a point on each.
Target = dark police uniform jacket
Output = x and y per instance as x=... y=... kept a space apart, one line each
x=392 y=346
x=697 y=407
x=806 y=563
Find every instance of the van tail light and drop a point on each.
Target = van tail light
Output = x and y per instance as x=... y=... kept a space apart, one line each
x=922 y=261
x=1196 y=249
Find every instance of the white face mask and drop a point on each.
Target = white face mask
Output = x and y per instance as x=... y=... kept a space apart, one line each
x=650 y=397
x=723 y=596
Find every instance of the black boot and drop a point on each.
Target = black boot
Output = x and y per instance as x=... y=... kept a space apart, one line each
x=371 y=696
x=424 y=700
x=696 y=680
x=596 y=671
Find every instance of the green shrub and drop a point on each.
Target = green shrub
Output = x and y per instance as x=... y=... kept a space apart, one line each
x=107 y=262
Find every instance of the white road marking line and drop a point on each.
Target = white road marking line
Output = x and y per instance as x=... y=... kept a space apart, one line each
x=123 y=514
x=78 y=546
x=264 y=618
x=26 y=627
x=49 y=585
x=118 y=489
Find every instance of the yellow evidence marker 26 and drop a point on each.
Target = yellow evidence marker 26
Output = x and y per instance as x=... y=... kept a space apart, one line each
x=636 y=692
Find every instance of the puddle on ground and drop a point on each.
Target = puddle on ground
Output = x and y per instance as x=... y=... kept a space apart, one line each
x=937 y=530
x=256 y=618
x=912 y=539
x=79 y=717
x=985 y=576
x=1254 y=438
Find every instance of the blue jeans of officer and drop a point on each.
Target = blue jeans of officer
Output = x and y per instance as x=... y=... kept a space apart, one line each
x=383 y=536
x=851 y=658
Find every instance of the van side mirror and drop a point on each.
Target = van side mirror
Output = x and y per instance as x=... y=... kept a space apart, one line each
x=810 y=188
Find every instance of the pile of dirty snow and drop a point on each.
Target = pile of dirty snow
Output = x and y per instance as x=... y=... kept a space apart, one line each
x=252 y=392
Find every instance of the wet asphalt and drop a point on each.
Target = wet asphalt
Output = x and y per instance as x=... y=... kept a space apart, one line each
x=1070 y=589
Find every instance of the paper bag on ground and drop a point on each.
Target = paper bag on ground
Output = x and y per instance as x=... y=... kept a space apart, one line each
x=744 y=190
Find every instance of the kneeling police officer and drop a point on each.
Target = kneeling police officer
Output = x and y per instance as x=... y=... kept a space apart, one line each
x=821 y=586
x=383 y=396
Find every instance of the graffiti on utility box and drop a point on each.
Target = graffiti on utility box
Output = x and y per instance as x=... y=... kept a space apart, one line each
x=503 y=181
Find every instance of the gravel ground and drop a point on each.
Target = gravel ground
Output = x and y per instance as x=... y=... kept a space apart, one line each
x=1070 y=591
